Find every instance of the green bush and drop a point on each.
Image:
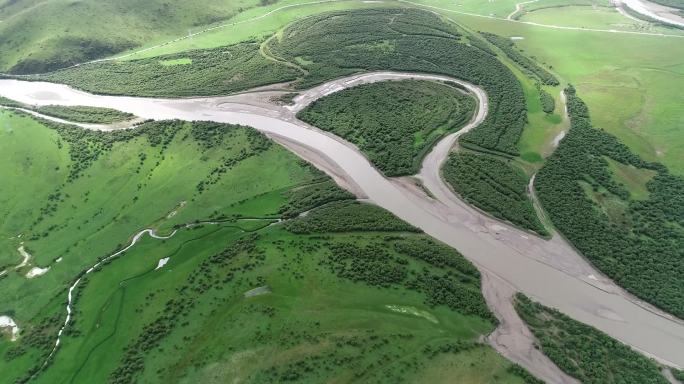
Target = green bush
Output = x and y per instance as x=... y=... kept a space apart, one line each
x=644 y=250
x=584 y=352
x=345 y=42
x=215 y=71
x=348 y=216
x=80 y=114
x=547 y=102
x=394 y=123
x=494 y=186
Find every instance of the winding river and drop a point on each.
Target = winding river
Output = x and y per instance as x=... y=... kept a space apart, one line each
x=549 y=271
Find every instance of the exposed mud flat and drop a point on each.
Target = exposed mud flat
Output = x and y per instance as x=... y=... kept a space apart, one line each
x=36 y=271
x=7 y=323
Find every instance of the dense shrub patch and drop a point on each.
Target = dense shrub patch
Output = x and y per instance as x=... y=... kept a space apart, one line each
x=81 y=114
x=348 y=216
x=212 y=72
x=584 y=352
x=394 y=123
x=375 y=265
x=494 y=186
x=643 y=251
x=339 y=43
x=76 y=114
x=312 y=196
x=547 y=102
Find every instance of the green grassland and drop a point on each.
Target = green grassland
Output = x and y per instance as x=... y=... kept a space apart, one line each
x=333 y=301
x=393 y=123
x=39 y=36
x=584 y=352
x=308 y=324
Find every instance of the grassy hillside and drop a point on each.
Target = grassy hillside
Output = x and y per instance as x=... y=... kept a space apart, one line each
x=76 y=195
x=243 y=297
x=38 y=36
x=393 y=123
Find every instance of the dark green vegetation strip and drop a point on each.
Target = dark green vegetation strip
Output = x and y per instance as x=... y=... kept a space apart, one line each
x=636 y=240
x=527 y=64
x=584 y=352
x=76 y=114
x=348 y=216
x=10 y=103
x=547 y=102
x=394 y=123
x=679 y=375
x=212 y=72
x=310 y=196
x=79 y=114
x=494 y=186
x=336 y=44
x=652 y=20
x=671 y=3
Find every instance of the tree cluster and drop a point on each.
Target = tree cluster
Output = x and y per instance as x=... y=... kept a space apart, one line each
x=394 y=123
x=348 y=216
x=211 y=72
x=494 y=186
x=547 y=102
x=81 y=114
x=584 y=352
x=644 y=252
x=344 y=42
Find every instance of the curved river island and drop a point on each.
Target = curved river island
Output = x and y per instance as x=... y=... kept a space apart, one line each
x=549 y=271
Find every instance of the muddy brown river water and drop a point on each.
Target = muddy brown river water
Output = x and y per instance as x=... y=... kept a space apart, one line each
x=549 y=271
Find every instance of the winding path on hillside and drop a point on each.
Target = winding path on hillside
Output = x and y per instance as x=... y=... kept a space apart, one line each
x=549 y=271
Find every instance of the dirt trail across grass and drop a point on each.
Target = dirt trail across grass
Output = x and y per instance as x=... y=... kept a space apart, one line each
x=519 y=7
x=549 y=271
